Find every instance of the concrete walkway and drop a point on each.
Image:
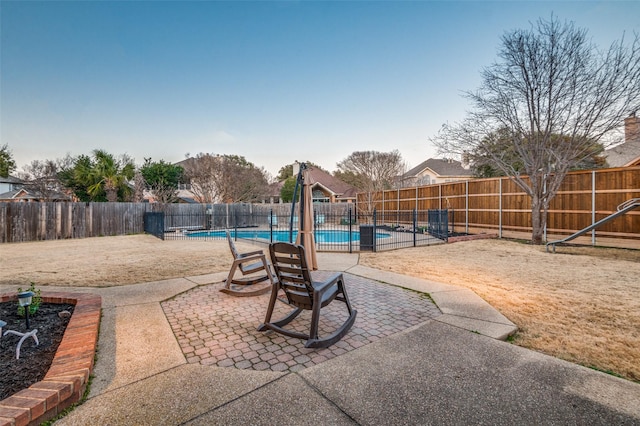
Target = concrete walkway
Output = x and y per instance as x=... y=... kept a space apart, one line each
x=450 y=369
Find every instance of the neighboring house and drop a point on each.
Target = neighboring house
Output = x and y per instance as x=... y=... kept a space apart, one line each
x=434 y=171
x=273 y=197
x=24 y=195
x=9 y=184
x=626 y=154
x=15 y=190
x=184 y=194
x=329 y=189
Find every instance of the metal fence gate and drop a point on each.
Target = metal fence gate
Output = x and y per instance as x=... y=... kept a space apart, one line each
x=438 y=223
x=154 y=224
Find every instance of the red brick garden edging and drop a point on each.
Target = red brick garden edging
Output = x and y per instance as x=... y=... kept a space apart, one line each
x=67 y=378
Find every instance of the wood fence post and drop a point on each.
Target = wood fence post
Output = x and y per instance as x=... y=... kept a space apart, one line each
x=42 y=228
x=89 y=221
x=500 y=208
x=466 y=219
x=593 y=206
x=58 y=220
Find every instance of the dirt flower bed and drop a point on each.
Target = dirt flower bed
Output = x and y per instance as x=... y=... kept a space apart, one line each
x=580 y=304
x=34 y=361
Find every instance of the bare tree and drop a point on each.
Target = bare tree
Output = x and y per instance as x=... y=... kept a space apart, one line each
x=501 y=143
x=225 y=178
x=201 y=173
x=552 y=95
x=139 y=185
x=239 y=180
x=41 y=178
x=371 y=171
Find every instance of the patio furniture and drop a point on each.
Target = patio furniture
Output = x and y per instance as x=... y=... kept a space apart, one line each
x=303 y=293
x=254 y=268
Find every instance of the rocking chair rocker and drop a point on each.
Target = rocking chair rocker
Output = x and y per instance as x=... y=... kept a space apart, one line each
x=303 y=293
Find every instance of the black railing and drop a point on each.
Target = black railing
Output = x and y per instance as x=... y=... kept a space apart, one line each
x=343 y=230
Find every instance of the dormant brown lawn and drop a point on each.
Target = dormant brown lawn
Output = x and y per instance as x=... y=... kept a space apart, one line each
x=580 y=304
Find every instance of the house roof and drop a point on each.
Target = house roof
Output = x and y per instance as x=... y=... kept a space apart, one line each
x=26 y=194
x=332 y=184
x=624 y=155
x=10 y=179
x=441 y=167
x=186 y=162
x=187 y=200
x=16 y=193
x=275 y=188
x=628 y=153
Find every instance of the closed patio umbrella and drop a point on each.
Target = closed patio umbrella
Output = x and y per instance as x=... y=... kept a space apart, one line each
x=305 y=223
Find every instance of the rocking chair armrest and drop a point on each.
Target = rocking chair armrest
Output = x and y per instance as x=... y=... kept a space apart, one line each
x=321 y=287
x=251 y=255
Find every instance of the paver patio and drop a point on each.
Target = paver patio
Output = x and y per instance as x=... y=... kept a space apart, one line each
x=213 y=328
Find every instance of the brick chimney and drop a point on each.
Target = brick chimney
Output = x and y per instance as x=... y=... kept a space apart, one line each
x=632 y=128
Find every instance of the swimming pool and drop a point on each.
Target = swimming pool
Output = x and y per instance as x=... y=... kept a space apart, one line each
x=321 y=236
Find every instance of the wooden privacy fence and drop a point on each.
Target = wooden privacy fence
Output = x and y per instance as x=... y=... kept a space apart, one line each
x=51 y=221
x=499 y=205
x=21 y=222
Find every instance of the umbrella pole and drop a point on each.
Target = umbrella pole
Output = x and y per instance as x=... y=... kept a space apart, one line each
x=301 y=215
x=293 y=201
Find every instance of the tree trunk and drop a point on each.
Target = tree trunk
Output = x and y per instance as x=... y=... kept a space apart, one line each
x=537 y=220
x=112 y=195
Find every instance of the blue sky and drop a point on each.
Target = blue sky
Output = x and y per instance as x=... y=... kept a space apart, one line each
x=273 y=81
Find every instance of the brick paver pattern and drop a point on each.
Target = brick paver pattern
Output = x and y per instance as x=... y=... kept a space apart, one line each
x=218 y=329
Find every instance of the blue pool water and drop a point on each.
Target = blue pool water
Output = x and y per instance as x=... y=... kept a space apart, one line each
x=326 y=236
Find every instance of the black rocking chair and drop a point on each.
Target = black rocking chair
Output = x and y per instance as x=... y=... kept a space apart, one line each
x=302 y=293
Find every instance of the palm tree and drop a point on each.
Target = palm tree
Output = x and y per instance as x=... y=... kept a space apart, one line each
x=104 y=177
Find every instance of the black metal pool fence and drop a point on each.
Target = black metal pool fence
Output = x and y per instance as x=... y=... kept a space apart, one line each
x=335 y=228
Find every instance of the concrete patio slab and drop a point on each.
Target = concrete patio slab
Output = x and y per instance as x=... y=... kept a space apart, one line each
x=155 y=291
x=486 y=328
x=135 y=342
x=617 y=394
x=413 y=283
x=438 y=374
x=286 y=401
x=336 y=261
x=173 y=397
x=208 y=278
x=465 y=303
x=132 y=294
